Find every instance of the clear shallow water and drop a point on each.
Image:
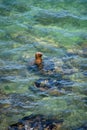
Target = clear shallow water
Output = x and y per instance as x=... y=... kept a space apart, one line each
x=59 y=30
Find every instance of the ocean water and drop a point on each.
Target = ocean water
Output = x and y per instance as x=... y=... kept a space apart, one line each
x=58 y=29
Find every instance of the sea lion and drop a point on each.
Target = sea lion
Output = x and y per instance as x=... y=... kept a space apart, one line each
x=38 y=59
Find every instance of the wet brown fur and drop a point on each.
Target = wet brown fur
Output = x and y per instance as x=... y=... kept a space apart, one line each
x=38 y=58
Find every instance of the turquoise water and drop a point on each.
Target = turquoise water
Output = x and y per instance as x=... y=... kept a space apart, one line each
x=57 y=28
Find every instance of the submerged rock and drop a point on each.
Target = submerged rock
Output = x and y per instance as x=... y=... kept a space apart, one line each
x=52 y=87
x=46 y=83
x=37 y=122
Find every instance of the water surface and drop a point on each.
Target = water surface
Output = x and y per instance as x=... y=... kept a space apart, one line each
x=57 y=28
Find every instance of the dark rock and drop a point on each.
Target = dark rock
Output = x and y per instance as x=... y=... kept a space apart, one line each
x=45 y=84
x=37 y=122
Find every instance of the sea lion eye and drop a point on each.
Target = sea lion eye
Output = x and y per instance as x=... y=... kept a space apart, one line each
x=40 y=55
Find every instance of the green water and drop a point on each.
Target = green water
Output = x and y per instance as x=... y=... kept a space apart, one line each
x=57 y=28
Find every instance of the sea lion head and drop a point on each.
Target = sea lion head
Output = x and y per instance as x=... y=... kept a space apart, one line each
x=38 y=58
